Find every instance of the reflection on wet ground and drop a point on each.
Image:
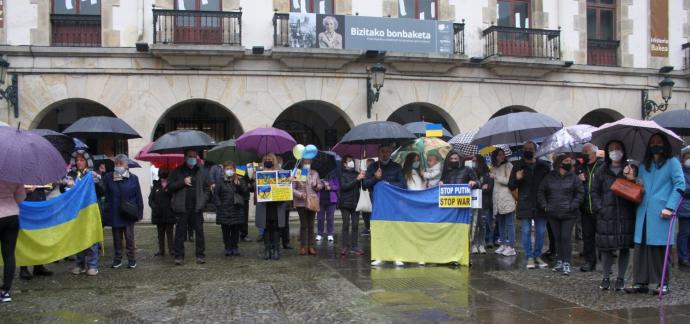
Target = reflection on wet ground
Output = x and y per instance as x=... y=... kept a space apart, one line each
x=325 y=288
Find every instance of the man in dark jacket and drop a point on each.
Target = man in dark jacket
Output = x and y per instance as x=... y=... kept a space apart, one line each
x=526 y=176
x=190 y=191
x=455 y=171
x=383 y=169
x=589 y=221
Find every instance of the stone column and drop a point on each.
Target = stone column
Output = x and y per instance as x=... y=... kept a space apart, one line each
x=40 y=35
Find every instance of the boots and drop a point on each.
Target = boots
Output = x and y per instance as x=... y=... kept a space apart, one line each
x=312 y=251
x=41 y=270
x=276 y=252
x=267 y=251
x=25 y=274
x=302 y=250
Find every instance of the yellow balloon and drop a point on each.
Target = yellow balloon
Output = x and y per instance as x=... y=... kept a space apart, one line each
x=298 y=151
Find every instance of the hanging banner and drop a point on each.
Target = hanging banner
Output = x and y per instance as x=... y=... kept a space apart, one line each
x=659 y=32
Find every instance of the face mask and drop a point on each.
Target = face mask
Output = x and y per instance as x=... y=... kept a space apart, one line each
x=350 y=164
x=454 y=164
x=616 y=155
x=191 y=162
x=566 y=167
x=229 y=172
x=528 y=155
x=469 y=164
x=687 y=163
x=119 y=170
x=268 y=164
x=657 y=149
x=415 y=165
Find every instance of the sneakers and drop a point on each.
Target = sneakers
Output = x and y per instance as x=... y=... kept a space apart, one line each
x=558 y=267
x=330 y=238
x=376 y=263
x=605 y=284
x=530 y=263
x=500 y=249
x=117 y=264
x=5 y=296
x=131 y=264
x=92 y=272
x=421 y=264
x=78 y=270
x=540 y=263
x=399 y=263
x=509 y=251
x=319 y=238
x=566 y=268
x=481 y=249
x=200 y=260
x=665 y=290
x=620 y=284
x=178 y=261
x=474 y=249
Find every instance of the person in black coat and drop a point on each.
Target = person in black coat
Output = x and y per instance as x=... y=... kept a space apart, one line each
x=615 y=226
x=229 y=201
x=350 y=183
x=161 y=212
x=455 y=171
x=560 y=195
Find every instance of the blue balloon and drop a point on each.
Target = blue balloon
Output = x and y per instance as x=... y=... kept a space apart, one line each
x=310 y=152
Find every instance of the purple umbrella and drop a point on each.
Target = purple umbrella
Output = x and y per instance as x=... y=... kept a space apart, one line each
x=266 y=140
x=28 y=158
x=358 y=151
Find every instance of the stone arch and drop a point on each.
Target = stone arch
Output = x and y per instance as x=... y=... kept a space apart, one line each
x=512 y=109
x=200 y=114
x=598 y=117
x=315 y=122
x=424 y=111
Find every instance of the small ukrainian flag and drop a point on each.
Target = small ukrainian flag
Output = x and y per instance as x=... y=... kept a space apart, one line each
x=434 y=130
x=241 y=170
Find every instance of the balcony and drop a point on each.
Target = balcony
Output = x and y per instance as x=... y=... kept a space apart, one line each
x=75 y=30
x=602 y=52
x=186 y=27
x=686 y=57
x=459 y=38
x=522 y=42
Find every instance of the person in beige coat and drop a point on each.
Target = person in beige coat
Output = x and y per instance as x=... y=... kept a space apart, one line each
x=503 y=203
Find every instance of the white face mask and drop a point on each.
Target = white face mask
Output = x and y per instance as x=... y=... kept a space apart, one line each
x=616 y=155
x=119 y=170
x=415 y=165
x=350 y=164
x=229 y=172
x=687 y=163
x=469 y=164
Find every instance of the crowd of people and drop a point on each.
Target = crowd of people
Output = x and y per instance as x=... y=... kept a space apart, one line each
x=548 y=199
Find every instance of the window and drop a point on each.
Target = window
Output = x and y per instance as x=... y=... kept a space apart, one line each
x=419 y=9
x=198 y=5
x=513 y=13
x=325 y=7
x=76 y=23
x=600 y=19
x=194 y=27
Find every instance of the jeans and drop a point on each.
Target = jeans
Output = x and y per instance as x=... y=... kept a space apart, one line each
x=683 y=241
x=89 y=257
x=184 y=220
x=526 y=235
x=563 y=234
x=488 y=217
x=9 y=230
x=478 y=227
x=327 y=213
x=306 y=226
x=589 y=229
x=128 y=233
x=506 y=228
x=349 y=236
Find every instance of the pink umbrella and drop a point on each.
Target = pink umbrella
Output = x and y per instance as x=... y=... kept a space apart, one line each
x=166 y=161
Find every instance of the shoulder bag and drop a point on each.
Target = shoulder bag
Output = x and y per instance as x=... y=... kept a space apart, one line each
x=627 y=190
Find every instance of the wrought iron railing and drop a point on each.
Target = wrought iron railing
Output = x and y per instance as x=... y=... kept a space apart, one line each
x=75 y=30
x=197 y=27
x=281 y=29
x=602 y=52
x=459 y=37
x=686 y=58
x=522 y=42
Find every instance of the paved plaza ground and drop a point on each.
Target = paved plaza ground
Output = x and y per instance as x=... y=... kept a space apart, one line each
x=326 y=289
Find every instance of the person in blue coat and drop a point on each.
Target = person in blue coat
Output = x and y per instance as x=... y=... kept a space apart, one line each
x=662 y=177
x=118 y=185
x=684 y=214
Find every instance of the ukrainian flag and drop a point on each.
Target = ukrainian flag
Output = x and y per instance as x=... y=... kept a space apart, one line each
x=409 y=226
x=434 y=130
x=60 y=227
x=241 y=170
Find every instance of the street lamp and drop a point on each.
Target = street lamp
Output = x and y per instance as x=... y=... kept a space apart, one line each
x=649 y=106
x=376 y=74
x=9 y=93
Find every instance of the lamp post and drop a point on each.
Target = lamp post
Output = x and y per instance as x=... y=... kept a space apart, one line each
x=650 y=106
x=11 y=92
x=376 y=74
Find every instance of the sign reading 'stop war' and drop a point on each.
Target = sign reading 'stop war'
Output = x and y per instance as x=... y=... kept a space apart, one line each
x=370 y=33
x=454 y=196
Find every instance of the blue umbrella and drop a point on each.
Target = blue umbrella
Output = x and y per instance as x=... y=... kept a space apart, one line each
x=28 y=158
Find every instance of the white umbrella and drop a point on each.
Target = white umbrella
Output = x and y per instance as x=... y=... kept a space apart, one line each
x=567 y=139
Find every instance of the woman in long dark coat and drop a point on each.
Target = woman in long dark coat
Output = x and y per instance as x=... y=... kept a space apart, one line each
x=267 y=215
x=161 y=213
x=229 y=201
x=615 y=226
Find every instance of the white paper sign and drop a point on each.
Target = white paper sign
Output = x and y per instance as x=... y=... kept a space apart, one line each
x=303 y=6
x=433 y=10
x=322 y=7
x=517 y=20
x=295 y=4
x=204 y=2
x=476 y=202
x=421 y=15
x=180 y=5
x=401 y=5
x=68 y=4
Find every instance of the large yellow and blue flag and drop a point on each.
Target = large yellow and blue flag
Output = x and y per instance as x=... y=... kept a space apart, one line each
x=60 y=227
x=409 y=226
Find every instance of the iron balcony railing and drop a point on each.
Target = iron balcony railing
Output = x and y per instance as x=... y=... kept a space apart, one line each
x=197 y=27
x=686 y=58
x=602 y=52
x=75 y=30
x=522 y=42
x=281 y=29
x=459 y=37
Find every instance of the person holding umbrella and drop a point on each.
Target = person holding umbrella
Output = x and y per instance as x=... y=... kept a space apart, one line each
x=124 y=206
x=684 y=214
x=270 y=215
x=661 y=175
x=588 y=176
x=350 y=183
x=190 y=188
x=229 y=201
x=161 y=212
x=301 y=191
x=503 y=203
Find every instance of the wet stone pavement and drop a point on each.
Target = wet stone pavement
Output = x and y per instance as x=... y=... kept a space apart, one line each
x=326 y=289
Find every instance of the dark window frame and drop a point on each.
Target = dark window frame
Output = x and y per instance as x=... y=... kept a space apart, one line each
x=598 y=7
x=512 y=3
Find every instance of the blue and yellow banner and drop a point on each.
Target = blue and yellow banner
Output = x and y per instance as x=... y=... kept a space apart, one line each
x=434 y=130
x=410 y=226
x=60 y=227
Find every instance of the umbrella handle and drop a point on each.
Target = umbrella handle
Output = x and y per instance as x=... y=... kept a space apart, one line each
x=668 y=246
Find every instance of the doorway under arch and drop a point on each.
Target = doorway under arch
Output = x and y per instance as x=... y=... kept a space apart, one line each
x=314 y=122
x=598 y=117
x=421 y=111
x=512 y=109
x=199 y=114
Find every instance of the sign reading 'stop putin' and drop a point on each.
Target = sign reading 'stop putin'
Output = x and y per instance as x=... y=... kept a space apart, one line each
x=371 y=33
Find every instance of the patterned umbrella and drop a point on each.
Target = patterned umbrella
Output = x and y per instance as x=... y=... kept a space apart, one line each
x=567 y=139
x=461 y=143
x=28 y=158
x=635 y=135
x=424 y=146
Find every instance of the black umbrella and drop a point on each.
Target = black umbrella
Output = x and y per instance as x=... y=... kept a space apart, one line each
x=515 y=128
x=227 y=151
x=101 y=127
x=419 y=129
x=181 y=140
x=676 y=120
x=378 y=132
x=325 y=162
x=63 y=143
x=110 y=164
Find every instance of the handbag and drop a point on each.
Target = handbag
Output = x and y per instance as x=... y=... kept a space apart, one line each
x=627 y=190
x=364 y=203
x=313 y=202
x=128 y=210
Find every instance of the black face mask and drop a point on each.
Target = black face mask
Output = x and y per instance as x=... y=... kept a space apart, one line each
x=566 y=167
x=454 y=164
x=268 y=164
x=528 y=155
x=657 y=149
